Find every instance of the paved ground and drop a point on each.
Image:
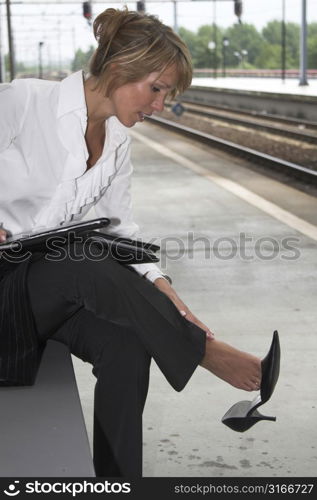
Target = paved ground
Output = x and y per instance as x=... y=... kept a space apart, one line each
x=276 y=85
x=243 y=290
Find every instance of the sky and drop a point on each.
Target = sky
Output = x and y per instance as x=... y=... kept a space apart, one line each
x=63 y=29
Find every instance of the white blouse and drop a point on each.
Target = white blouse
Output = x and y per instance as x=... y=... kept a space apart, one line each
x=43 y=155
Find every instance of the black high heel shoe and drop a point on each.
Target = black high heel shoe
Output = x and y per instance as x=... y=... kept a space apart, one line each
x=243 y=415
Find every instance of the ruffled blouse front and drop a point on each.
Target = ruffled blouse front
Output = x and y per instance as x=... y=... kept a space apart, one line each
x=74 y=197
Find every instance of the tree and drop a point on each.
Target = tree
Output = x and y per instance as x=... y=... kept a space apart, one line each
x=81 y=59
x=189 y=38
x=211 y=57
x=272 y=34
x=263 y=49
x=243 y=37
x=198 y=44
x=269 y=57
x=312 y=46
x=19 y=66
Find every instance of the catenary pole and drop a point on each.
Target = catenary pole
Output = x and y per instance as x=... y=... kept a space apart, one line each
x=10 y=41
x=175 y=16
x=283 y=37
x=1 y=50
x=303 y=46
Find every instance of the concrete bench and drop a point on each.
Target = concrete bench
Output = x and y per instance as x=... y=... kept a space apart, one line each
x=42 y=429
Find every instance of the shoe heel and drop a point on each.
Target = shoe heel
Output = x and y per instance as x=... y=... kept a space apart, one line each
x=243 y=423
x=243 y=415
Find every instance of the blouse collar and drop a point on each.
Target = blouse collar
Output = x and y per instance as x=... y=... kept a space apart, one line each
x=72 y=94
x=72 y=119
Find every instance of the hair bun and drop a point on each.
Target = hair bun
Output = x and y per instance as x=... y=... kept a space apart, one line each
x=108 y=23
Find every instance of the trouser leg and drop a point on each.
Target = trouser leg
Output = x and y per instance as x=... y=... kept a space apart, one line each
x=114 y=295
x=118 y=417
x=119 y=296
x=121 y=366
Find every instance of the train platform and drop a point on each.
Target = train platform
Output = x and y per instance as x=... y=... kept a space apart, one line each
x=241 y=250
x=274 y=85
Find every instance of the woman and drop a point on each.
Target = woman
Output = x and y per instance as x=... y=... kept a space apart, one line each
x=64 y=148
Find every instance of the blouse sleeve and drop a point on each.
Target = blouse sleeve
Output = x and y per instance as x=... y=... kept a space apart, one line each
x=116 y=204
x=13 y=105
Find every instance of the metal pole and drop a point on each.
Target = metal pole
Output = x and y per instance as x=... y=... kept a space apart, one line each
x=175 y=16
x=59 y=47
x=303 y=47
x=223 y=59
x=1 y=55
x=215 y=37
x=283 y=40
x=225 y=43
x=10 y=38
x=40 y=60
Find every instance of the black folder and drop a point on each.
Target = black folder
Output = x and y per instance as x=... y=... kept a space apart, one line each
x=124 y=250
x=30 y=240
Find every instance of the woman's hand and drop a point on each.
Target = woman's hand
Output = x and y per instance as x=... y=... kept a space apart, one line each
x=3 y=235
x=165 y=287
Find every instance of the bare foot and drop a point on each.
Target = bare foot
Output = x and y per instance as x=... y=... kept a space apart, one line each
x=238 y=368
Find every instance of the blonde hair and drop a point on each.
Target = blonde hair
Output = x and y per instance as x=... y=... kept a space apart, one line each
x=132 y=45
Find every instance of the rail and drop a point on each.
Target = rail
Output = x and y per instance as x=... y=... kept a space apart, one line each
x=297 y=171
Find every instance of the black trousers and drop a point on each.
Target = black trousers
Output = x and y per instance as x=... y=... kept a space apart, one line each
x=116 y=320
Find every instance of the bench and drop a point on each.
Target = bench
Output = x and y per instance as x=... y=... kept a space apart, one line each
x=42 y=429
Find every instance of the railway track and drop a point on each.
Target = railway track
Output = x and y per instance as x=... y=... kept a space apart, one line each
x=256 y=121
x=296 y=122
x=294 y=170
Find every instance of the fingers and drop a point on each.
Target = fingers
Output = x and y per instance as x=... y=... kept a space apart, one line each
x=3 y=235
x=190 y=317
x=210 y=335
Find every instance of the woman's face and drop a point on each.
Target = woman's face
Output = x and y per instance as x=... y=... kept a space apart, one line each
x=133 y=101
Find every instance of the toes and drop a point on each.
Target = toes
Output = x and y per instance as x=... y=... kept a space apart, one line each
x=250 y=386
x=245 y=386
x=256 y=383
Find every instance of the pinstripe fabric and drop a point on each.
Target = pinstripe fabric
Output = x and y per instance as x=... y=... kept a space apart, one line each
x=20 y=352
